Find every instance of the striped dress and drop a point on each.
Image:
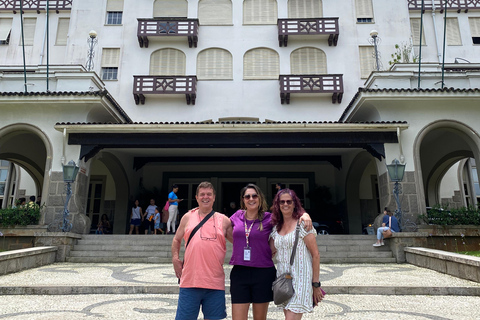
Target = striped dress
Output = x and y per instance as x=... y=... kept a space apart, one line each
x=302 y=300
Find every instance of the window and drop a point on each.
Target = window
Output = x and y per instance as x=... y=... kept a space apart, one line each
x=308 y=61
x=415 y=26
x=260 y=12
x=5 y=29
x=170 y=8
x=214 y=64
x=28 y=31
x=453 y=32
x=475 y=29
x=167 y=62
x=215 y=12
x=114 y=12
x=261 y=63
x=364 y=11
x=110 y=61
x=305 y=9
x=62 y=31
x=367 y=61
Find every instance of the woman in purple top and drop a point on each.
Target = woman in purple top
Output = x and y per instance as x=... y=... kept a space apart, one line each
x=253 y=270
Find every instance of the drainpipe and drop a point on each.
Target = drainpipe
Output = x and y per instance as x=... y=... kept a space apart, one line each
x=402 y=157
x=64 y=145
x=439 y=55
x=43 y=43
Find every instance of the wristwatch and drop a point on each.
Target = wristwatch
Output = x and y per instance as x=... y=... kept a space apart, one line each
x=316 y=284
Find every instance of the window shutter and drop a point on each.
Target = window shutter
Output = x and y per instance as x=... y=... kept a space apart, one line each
x=474 y=26
x=415 y=25
x=305 y=9
x=215 y=12
x=170 y=8
x=28 y=31
x=5 y=28
x=308 y=61
x=364 y=8
x=214 y=64
x=114 y=5
x=453 y=32
x=260 y=12
x=167 y=62
x=261 y=63
x=110 y=57
x=62 y=31
x=367 y=61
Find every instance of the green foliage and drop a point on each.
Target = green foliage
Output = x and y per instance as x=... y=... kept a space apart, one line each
x=471 y=253
x=403 y=54
x=20 y=216
x=443 y=215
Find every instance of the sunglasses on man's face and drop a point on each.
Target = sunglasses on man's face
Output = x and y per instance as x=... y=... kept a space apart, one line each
x=289 y=202
x=248 y=196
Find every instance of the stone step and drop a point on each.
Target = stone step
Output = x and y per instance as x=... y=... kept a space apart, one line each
x=361 y=254
x=342 y=248
x=160 y=260
x=346 y=242
x=115 y=247
x=357 y=260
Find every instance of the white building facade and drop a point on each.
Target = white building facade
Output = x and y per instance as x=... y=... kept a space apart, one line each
x=255 y=91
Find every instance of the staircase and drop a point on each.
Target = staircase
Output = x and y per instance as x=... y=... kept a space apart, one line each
x=157 y=249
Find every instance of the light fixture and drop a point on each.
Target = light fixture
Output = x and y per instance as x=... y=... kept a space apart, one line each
x=92 y=41
x=70 y=172
x=396 y=171
x=375 y=40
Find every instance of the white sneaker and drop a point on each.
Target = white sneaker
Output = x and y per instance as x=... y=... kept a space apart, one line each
x=382 y=243
x=376 y=244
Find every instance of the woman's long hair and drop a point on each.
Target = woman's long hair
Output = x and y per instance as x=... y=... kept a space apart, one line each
x=262 y=208
x=277 y=216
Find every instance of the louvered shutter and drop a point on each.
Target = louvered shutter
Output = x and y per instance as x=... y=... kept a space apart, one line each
x=215 y=64
x=110 y=57
x=474 y=26
x=215 y=12
x=167 y=62
x=308 y=61
x=367 y=61
x=5 y=28
x=114 y=5
x=260 y=12
x=453 y=32
x=305 y=9
x=415 y=25
x=29 y=31
x=170 y=8
x=261 y=63
x=364 y=8
x=62 y=31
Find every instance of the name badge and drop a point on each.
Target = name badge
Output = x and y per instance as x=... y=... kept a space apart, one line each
x=246 y=254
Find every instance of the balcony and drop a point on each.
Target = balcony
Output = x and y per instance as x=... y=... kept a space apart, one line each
x=35 y=5
x=323 y=27
x=145 y=85
x=457 y=5
x=167 y=27
x=311 y=83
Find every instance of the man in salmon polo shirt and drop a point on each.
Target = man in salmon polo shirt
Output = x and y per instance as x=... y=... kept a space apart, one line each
x=202 y=279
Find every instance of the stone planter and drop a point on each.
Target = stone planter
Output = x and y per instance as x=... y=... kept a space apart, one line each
x=19 y=237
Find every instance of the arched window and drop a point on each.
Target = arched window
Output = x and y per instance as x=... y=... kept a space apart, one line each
x=305 y=9
x=260 y=12
x=170 y=8
x=308 y=61
x=214 y=64
x=261 y=63
x=215 y=12
x=167 y=62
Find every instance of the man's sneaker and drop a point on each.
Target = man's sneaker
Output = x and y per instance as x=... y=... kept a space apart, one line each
x=376 y=244
x=382 y=243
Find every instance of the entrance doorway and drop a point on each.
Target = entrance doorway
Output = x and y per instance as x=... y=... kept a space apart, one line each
x=231 y=194
x=96 y=194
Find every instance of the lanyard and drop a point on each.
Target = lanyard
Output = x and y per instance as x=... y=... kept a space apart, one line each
x=247 y=232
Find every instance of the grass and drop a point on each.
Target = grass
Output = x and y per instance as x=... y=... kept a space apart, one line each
x=471 y=253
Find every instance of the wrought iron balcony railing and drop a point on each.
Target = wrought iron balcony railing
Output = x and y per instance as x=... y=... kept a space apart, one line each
x=457 y=5
x=311 y=83
x=327 y=27
x=37 y=5
x=144 y=85
x=167 y=27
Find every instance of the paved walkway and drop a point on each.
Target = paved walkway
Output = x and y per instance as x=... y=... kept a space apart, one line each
x=147 y=291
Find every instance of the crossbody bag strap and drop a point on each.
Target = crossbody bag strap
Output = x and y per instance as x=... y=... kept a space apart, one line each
x=390 y=223
x=297 y=231
x=198 y=227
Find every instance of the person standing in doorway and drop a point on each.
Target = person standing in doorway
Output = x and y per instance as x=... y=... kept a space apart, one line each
x=135 y=217
x=172 y=209
x=148 y=221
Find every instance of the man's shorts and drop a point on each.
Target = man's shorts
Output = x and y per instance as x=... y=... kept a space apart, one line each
x=190 y=300
x=251 y=285
x=135 y=222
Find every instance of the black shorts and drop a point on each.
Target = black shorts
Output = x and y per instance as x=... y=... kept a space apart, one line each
x=252 y=285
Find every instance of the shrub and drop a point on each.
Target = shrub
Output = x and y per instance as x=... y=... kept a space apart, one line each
x=19 y=216
x=443 y=215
